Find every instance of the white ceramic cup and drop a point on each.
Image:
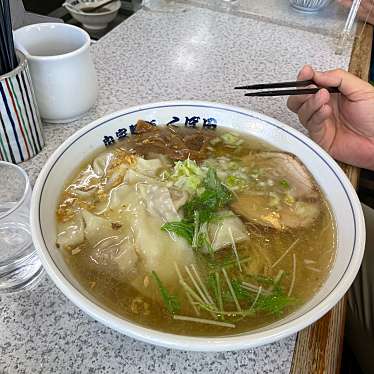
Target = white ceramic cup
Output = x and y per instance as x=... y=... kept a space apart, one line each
x=62 y=71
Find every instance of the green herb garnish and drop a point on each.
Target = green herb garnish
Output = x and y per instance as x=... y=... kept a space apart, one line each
x=273 y=303
x=262 y=280
x=216 y=264
x=284 y=183
x=214 y=197
x=171 y=302
x=181 y=228
x=240 y=292
x=201 y=210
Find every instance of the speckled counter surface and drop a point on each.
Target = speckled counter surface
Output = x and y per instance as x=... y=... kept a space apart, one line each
x=198 y=54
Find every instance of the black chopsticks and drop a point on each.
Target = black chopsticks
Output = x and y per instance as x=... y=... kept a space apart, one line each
x=8 y=60
x=300 y=91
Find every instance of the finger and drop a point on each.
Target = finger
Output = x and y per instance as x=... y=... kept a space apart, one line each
x=363 y=10
x=305 y=73
x=317 y=125
x=313 y=105
x=366 y=5
x=362 y=13
x=295 y=102
x=345 y=3
x=347 y=83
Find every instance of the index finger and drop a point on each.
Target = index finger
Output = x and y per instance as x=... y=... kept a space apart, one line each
x=347 y=83
x=294 y=103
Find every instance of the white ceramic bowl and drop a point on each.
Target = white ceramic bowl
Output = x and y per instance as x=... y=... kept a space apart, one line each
x=345 y=206
x=92 y=21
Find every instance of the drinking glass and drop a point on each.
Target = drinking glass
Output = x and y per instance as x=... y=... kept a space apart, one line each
x=164 y=6
x=20 y=267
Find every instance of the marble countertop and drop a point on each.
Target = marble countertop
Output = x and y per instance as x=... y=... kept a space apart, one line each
x=196 y=54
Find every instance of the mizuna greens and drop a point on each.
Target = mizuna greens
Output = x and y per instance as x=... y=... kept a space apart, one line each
x=201 y=210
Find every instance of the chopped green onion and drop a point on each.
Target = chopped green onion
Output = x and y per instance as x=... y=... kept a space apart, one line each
x=215 y=141
x=187 y=175
x=284 y=183
x=231 y=139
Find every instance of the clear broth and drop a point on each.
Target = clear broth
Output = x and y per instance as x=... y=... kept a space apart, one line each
x=314 y=256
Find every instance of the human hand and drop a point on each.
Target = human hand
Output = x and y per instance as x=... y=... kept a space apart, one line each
x=342 y=124
x=366 y=9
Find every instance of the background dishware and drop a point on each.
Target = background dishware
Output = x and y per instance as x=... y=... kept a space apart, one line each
x=92 y=8
x=21 y=131
x=93 y=21
x=345 y=206
x=20 y=267
x=61 y=68
x=309 y=5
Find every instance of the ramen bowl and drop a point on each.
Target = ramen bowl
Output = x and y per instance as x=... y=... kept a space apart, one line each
x=342 y=198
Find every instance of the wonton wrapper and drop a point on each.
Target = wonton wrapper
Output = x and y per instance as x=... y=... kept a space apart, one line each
x=158 y=201
x=101 y=163
x=219 y=232
x=71 y=233
x=149 y=168
x=97 y=228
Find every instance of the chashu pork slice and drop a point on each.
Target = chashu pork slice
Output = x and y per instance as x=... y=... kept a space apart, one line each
x=267 y=208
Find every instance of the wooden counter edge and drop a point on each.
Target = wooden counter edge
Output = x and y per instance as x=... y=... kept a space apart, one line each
x=318 y=348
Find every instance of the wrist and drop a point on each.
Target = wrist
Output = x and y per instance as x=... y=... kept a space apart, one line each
x=368 y=155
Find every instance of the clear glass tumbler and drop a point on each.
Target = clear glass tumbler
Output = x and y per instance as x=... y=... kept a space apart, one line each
x=164 y=6
x=20 y=267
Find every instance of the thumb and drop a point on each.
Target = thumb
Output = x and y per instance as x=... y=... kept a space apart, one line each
x=345 y=3
x=347 y=83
